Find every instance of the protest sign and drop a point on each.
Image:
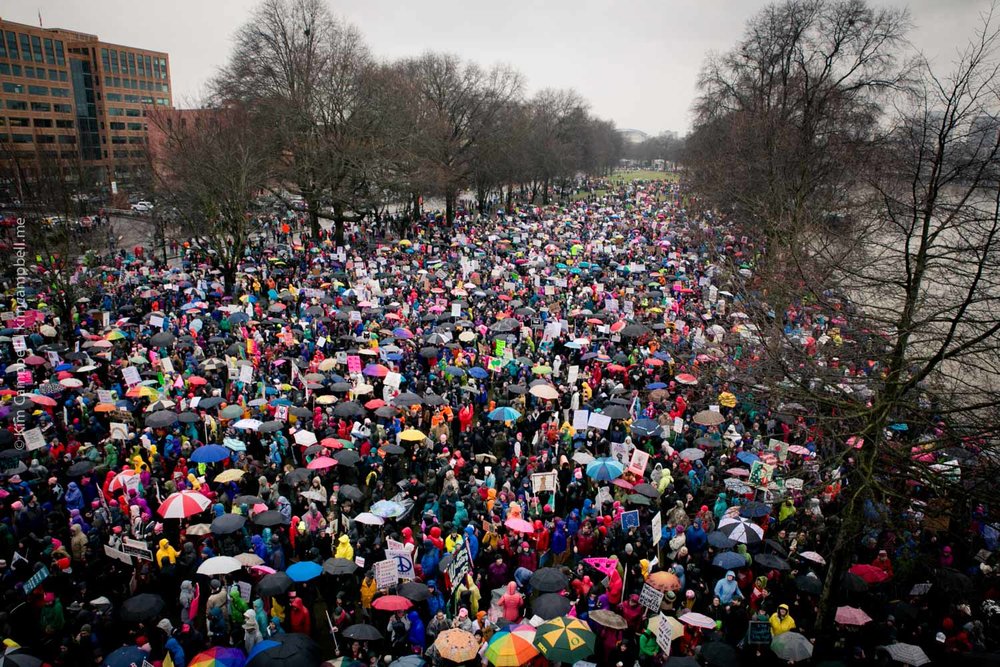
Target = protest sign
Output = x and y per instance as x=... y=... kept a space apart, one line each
x=543 y=482
x=663 y=634
x=630 y=519
x=386 y=573
x=650 y=598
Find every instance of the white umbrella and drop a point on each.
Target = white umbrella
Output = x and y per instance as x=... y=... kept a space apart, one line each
x=583 y=458
x=908 y=654
x=698 y=620
x=369 y=519
x=544 y=391
x=741 y=531
x=248 y=424
x=219 y=565
x=183 y=504
x=305 y=438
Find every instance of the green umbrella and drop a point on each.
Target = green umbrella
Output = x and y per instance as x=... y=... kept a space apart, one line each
x=565 y=639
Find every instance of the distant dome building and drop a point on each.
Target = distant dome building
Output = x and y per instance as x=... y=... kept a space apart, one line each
x=633 y=136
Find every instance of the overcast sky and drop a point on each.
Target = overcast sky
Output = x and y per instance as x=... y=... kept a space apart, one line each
x=636 y=61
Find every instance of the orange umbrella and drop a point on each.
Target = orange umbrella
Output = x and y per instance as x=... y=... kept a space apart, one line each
x=664 y=581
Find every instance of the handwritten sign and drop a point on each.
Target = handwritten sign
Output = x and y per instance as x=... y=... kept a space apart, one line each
x=759 y=632
x=131 y=375
x=543 y=482
x=119 y=431
x=404 y=562
x=580 y=419
x=650 y=598
x=37 y=578
x=386 y=573
x=657 y=525
x=664 y=635
x=137 y=548
x=353 y=363
x=33 y=439
x=599 y=421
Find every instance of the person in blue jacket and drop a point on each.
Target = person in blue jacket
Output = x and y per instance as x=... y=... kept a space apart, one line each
x=416 y=635
x=727 y=589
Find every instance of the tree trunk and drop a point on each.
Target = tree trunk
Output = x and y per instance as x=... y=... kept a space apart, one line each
x=449 y=207
x=338 y=222
x=229 y=277
x=416 y=207
x=545 y=191
x=481 y=195
x=510 y=199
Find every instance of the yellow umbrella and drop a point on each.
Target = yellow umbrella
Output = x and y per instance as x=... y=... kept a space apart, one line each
x=412 y=435
x=676 y=627
x=231 y=475
x=327 y=364
x=457 y=645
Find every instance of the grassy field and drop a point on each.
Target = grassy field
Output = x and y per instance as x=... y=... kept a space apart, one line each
x=644 y=175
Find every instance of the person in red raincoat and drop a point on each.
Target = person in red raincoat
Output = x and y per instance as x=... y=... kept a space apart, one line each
x=300 y=619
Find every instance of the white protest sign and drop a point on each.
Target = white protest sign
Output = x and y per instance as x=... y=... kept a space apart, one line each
x=572 y=374
x=619 y=452
x=543 y=482
x=33 y=439
x=638 y=462
x=166 y=365
x=456 y=309
x=597 y=420
x=678 y=425
x=650 y=598
x=20 y=344
x=663 y=634
x=386 y=573
x=131 y=375
x=105 y=396
x=392 y=379
x=156 y=321
x=403 y=562
x=580 y=420
x=246 y=374
x=119 y=431
x=656 y=524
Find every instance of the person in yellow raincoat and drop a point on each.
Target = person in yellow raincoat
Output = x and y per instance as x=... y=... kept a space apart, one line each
x=344 y=548
x=167 y=553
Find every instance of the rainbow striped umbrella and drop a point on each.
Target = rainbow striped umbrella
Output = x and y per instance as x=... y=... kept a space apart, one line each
x=219 y=656
x=512 y=647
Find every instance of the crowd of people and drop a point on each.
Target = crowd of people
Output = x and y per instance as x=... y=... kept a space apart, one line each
x=517 y=439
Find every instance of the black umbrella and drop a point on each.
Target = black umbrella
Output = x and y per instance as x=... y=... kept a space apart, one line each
x=228 y=523
x=270 y=427
x=188 y=418
x=293 y=650
x=393 y=449
x=414 y=591
x=362 y=632
x=809 y=584
x=17 y=658
x=269 y=518
x=210 y=402
x=776 y=547
x=433 y=400
x=274 y=584
x=162 y=339
x=142 y=607
x=351 y=492
x=851 y=583
x=386 y=412
x=298 y=475
x=550 y=605
x=952 y=582
x=80 y=468
x=161 y=418
x=720 y=541
x=349 y=409
x=548 y=580
x=517 y=389
x=336 y=566
x=249 y=501
x=719 y=654
x=615 y=412
x=407 y=399
x=647 y=490
x=429 y=352
x=771 y=561
x=347 y=457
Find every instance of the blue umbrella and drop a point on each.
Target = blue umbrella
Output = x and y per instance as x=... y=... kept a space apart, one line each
x=899 y=427
x=304 y=571
x=210 y=454
x=728 y=560
x=504 y=414
x=605 y=469
x=126 y=656
x=656 y=385
x=454 y=371
x=393 y=356
x=260 y=647
x=479 y=373
x=720 y=541
x=755 y=510
x=748 y=458
x=645 y=427
x=387 y=509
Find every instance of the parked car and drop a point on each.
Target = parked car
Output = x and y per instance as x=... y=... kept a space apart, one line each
x=142 y=207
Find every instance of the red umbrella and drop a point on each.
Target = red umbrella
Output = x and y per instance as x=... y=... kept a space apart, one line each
x=38 y=399
x=374 y=404
x=623 y=483
x=686 y=378
x=197 y=381
x=869 y=573
x=183 y=504
x=392 y=603
x=321 y=462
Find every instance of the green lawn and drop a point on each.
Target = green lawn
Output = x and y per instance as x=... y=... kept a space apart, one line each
x=644 y=175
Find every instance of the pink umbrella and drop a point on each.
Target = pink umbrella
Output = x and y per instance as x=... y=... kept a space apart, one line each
x=798 y=449
x=519 y=525
x=852 y=616
x=321 y=463
x=258 y=508
x=869 y=573
x=738 y=472
x=262 y=568
x=698 y=620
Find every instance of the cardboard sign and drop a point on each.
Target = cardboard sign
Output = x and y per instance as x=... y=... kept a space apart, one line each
x=116 y=554
x=650 y=598
x=630 y=519
x=386 y=573
x=33 y=439
x=663 y=635
x=580 y=419
x=119 y=431
x=599 y=421
x=137 y=548
x=353 y=363
x=105 y=396
x=657 y=525
x=543 y=482
x=638 y=462
x=404 y=563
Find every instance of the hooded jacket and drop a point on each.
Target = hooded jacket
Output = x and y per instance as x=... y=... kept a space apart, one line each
x=166 y=553
x=344 y=548
x=726 y=589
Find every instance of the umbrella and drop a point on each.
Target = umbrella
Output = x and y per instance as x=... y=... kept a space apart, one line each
x=852 y=616
x=336 y=566
x=274 y=584
x=504 y=414
x=414 y=590
x=605 y=469
x=548 y=580
x=564 y=639
x=269 y=518
x=772 y=562
x=645 y=427
x=408 y=661
x=608 y=619
x=908 y=654
x=249 y=560
x=813 y=557
x=692 y=454
x=392 y=603
x=869 y=573
x=728 y=560
x=15 y=657
x=809 y=583
x=304 y=571
x=718 y=654
x=210 y=454
x=228 y=523
x=161 y=418
x=369 y=519
x=287 y=650
x=755 y=510
x=79 y=469
x=740 y=531
x=792 y=647
x=231 y=475
x=544 y=391
x=219 y=565
x=362 y=632
x=412 y=435
x=352 y=492
x=126 y=656
x=697 y=620
x=183 y=504
x=664 y=581
x=456 y=645
x=512 y=647
x=519 y=525
x=647 y=490
x=387 y=509
x=219 y=656
x=142 y=607
x=720 y=541
x=347 y=457
x=550 y=605
x=321 y=463
x=708 y=418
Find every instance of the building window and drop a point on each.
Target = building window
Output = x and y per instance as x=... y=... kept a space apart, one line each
x=25 y=48
x=114 y=125
x=45 y=139
x=17 y=105
x=62 y=108
x=63 y=75
x=116 y=111
x=162 y=101
x=67 y=139
x=12 y=45
x=113 y=97
x=64 y=124
x=4 y=68
x=41 y=106
x=50 y=51
x=59 y=92
x=19 y=122
x=3 y=46
x=156 y=67
x=13 y=88
x=38 y=90
x=21 y=138
x=36 y=48
x=131 y=64
x=42 y=122
x=53 y=75
x=60 y=54
x=30 y=72
x=132 y=113
x=135 y=126
x=105 y=60
x=114 y=62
